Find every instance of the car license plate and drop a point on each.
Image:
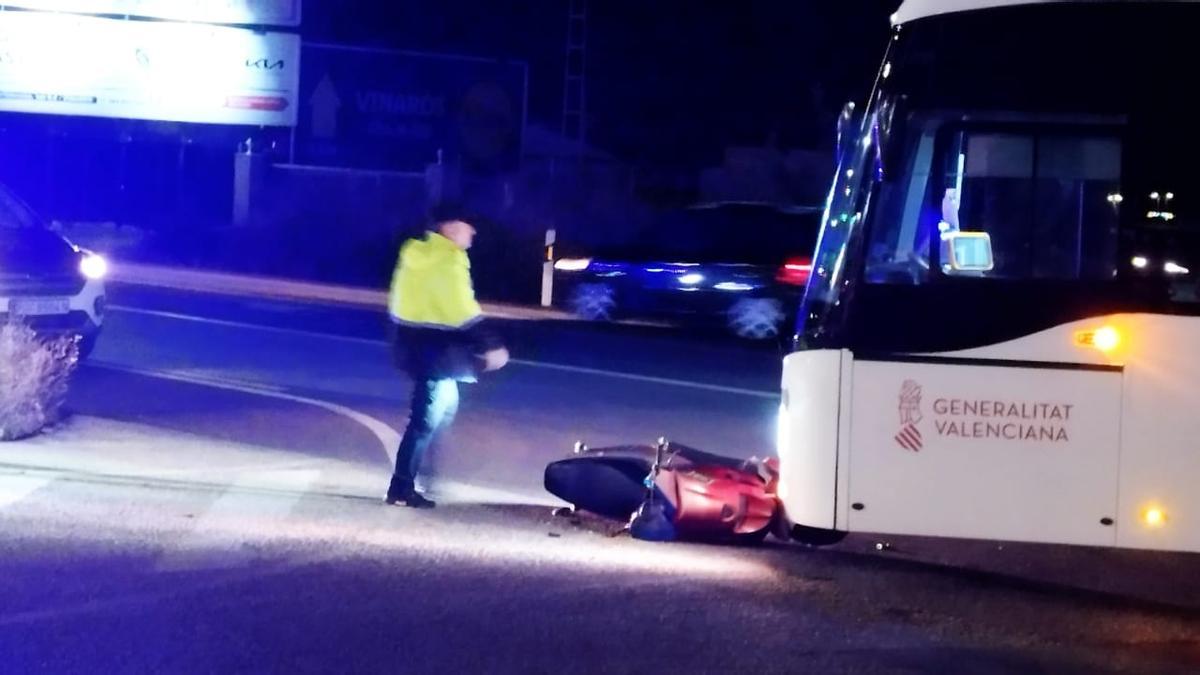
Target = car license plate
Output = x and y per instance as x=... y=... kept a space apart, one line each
x=39 y=306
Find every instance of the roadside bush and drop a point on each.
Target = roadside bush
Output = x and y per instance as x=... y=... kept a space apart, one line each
x=34 y=374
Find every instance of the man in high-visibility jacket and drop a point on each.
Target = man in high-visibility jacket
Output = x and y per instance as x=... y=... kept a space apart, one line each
x=440 y=341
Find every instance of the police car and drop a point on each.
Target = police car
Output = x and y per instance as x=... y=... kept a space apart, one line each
x=47 y=282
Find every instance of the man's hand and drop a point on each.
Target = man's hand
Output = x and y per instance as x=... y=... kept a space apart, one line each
x=495 y=359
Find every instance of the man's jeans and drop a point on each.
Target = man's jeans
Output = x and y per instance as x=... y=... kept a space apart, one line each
x=434 y=405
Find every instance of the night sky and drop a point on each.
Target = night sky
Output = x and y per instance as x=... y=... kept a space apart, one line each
x=670 y=82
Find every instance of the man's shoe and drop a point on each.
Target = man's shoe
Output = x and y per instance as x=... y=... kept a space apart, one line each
x=413 y=500
x=418 y=501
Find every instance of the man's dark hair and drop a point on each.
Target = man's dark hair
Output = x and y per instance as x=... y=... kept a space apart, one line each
x=448 y=211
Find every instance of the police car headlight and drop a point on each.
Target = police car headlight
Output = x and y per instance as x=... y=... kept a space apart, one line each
x=93 y=266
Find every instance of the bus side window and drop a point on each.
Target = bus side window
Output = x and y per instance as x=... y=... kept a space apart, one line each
x=1041 y=197
x=994 y=172
x=1076 y=230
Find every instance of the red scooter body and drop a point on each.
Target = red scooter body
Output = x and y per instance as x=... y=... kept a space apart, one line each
x=715 y=501
x=705 y=496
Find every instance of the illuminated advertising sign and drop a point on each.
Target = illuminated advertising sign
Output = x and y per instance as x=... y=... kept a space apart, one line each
x=64 y=64
x=376 y=109
x=259 y=12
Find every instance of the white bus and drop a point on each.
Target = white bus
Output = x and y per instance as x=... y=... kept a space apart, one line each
x=1001 y=335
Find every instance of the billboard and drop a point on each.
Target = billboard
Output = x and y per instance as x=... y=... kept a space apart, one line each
x=66 y=64
x=377 y=109
x=258 y=12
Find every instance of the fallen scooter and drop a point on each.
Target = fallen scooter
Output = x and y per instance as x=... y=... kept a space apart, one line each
x=669 y=491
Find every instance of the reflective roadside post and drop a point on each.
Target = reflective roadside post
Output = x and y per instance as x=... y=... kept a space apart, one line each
x=548 y=269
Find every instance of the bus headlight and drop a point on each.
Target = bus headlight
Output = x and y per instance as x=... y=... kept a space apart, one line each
x=781 y=435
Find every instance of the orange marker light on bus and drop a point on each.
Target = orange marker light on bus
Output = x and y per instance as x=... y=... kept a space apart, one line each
x=1105 y=339
x=1154 y=517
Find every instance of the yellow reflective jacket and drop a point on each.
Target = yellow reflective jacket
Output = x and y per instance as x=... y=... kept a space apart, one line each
x=439 y=333
x=432 y=285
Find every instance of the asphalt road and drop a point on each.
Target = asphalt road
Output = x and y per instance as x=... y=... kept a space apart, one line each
x=211 y=505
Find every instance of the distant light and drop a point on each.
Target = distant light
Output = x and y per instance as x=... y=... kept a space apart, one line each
x=1170 y=267
x=691 y=279
x=1140 y=262
x=1115 y=198
x=733 y=286
x=93 y=266
x=887 y=69
x=1154 y=517
x=572 y=264
x=849 y=173
x=1169 y=196
x=1154 y=195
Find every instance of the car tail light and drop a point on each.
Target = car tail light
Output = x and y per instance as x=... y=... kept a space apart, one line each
x=794 y=272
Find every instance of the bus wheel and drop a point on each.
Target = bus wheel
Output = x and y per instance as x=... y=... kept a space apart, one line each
x=815 y=536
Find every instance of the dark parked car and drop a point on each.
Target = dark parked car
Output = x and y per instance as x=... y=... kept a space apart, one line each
x=45 y=281
x=744 y=264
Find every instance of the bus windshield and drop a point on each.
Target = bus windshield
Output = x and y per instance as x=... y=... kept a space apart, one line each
x=1061 y=131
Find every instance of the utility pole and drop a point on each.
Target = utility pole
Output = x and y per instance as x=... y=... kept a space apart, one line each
x=574 y=122
x=574 y=115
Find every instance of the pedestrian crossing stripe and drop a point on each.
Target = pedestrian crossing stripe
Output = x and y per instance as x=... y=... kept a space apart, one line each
x=207 y=544
x=14 y=488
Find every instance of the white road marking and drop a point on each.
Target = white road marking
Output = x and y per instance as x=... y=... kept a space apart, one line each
x=240 y=514
x=242 y=324
x=581 y=370
x=651 y=379
x=388 y=438
x=15 y=488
